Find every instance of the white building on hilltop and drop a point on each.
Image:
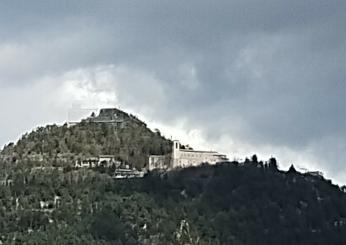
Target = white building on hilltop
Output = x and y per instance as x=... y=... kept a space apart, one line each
x=182 y=158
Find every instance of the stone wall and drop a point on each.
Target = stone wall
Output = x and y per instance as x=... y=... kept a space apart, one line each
x=181 y=158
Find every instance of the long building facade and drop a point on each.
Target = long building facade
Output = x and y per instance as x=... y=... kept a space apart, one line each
x=184 y=157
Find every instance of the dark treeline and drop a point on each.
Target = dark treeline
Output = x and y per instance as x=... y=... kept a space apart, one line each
x=247 y=203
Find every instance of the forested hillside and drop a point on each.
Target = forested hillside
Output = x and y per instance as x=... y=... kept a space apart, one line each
x=247 y=203
x=112 y=132
x=43 y=200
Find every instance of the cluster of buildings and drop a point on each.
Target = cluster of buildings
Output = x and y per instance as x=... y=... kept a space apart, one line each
x=126 y=173
x=102 y=160
x=122 y=171
x=112 y=116
x=182 y=157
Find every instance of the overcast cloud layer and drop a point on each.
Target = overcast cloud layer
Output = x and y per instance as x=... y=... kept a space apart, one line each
x=241 y=76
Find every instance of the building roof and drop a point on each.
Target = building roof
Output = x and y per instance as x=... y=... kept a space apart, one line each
x=185 y=150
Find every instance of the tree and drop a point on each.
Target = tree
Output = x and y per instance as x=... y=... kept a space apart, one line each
x=272 y=164
x=254 y=159
x=107 y=225
x=292 y=169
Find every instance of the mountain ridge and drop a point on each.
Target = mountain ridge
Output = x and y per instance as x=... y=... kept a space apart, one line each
x=44 y=200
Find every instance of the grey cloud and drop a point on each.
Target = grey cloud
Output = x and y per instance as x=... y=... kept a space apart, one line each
x=268 y=73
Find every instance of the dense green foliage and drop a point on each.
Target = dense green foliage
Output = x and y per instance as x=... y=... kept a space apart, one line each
x=130 y=141
x=232 y=203
x=45 y=201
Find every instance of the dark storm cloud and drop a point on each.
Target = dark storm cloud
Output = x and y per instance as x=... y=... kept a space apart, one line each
x=270 y=72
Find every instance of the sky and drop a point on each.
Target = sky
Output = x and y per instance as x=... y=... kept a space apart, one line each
x=239 y=76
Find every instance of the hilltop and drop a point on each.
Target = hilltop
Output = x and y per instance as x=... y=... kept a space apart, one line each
x=112 y=132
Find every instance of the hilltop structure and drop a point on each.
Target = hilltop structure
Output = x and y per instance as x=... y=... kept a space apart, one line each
x=113 y=138
x=111 y=116
x=184 y=157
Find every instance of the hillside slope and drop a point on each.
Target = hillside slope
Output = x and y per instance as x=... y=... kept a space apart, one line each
x=112 y=132
x=235 y=204
x=247 y=203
